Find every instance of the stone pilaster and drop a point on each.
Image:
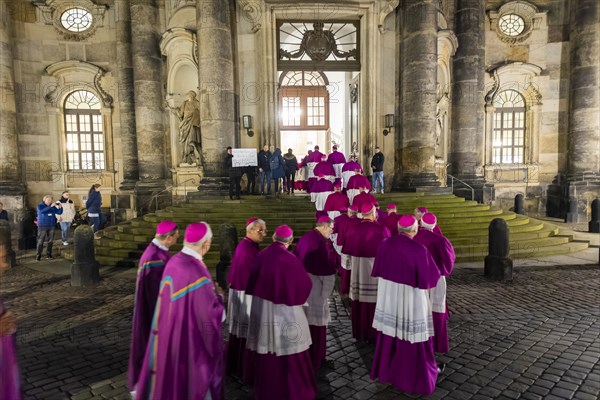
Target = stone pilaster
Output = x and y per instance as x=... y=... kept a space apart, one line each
x=150 y=131
x=126 y=96
x=147 y=85
x=12 y=190
x=583 y=158
x=468 y=115
x=584 y=99
x=214 y=20
x=418 y=92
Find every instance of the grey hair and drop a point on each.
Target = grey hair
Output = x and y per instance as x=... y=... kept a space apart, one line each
x=409 y=229
x=48 y=196
x=253 y=224
x=279 y=239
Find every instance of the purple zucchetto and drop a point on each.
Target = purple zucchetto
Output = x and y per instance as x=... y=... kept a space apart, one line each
x=406 y=221
x=165 y=227
x=391 y=206
x=284 y=232
x=428 y=221
x=197 y=231
x=251 y=220
x=421 y=210
x=366 y=208
x=323 y=219
x=353 y=208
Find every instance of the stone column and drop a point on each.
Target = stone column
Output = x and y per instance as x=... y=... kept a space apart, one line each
x=214 y=19
x=467 y=145
x=418 y=92
x=147 y=83
x=584 y=118
x=126 y=96
x=11 y=185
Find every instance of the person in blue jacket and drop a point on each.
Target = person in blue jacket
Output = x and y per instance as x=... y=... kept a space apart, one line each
x=93 y=203
x=277 y=165
x=47 y=211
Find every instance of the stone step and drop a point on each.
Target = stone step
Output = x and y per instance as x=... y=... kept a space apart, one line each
x=465 y=223
x=531 y=251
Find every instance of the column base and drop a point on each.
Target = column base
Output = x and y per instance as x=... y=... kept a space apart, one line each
x=584 y=191
x=152 y=195
x=213 y=186
x=422 y=180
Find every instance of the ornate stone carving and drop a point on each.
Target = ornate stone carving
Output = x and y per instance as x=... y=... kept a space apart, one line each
x=318 y=44
x=107 y=99
x=386 y=10
x=353 y=92
x=524 y=10
x=52 y=11
x=489 y=97
x=251 y=12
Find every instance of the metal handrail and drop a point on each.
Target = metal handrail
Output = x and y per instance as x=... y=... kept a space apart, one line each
x=185 y=186
x=464 y=183
x=155 y=197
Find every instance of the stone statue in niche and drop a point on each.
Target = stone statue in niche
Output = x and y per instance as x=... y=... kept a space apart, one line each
x=189 y=129
x=439 y=132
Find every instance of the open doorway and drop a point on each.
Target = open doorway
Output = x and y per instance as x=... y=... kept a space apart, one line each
x=313 y=111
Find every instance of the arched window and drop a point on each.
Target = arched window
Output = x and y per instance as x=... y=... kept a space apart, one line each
x=83 y=127
x=508 y=136
x=304 y=101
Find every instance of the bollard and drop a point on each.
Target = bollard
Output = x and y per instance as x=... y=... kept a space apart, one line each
x=594 y=224
x=572 y=214
x=6 y=241
x=27 y=229
x=227 y=244
x=519 y=204
x=498 y=264
x=85 y=270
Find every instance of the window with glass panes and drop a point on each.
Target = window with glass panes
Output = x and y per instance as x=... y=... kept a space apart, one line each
x=83 y=127
x=508 y=135
x=304 y=101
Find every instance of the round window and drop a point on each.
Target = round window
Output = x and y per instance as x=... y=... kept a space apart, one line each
x=511 y=24
x=76 y=19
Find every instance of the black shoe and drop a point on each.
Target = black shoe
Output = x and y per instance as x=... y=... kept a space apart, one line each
x=441 y=367
x=38 y=258
x=230 y=197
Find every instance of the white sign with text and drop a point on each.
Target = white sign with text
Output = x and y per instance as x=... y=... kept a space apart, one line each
x=244 y=158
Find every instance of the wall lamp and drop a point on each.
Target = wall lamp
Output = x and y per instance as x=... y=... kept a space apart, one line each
x=247 y=124
x=389 y=123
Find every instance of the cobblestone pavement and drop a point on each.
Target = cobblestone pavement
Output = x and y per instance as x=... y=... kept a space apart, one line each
x=537 y=338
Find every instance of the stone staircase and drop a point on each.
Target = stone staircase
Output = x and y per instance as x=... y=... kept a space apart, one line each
x=464 y=222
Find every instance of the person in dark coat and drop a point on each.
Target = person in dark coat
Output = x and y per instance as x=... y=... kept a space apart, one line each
x=93 y=204
x=377 y=165
x=277 y=164
x=291 y=166
x=264 y=169
x=251 y=176
x=235 y=176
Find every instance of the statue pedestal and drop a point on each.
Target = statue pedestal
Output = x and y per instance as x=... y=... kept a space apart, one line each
x=186 y=178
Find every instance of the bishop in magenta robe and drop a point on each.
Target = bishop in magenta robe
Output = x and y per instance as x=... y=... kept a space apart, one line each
x=404 y=354
x=239 y=303
x=443 y=254
x=348 y=171
x=338 y=160
x=391 y=221
x=340 y=227
x=318 y=258
x=149 y=274
x=336 y=202
x=184 y=358
x=279 y=335
x=361 y=243
x=356 y=182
